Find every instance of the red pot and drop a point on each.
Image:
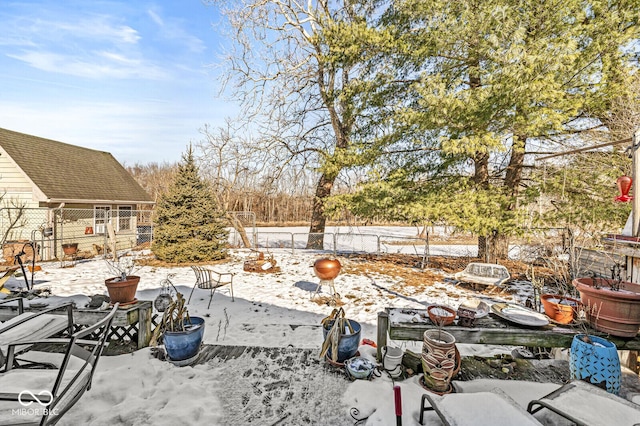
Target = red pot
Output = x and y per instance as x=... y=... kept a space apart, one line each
x=122 y=291
x=610 y=311
x=327 y=269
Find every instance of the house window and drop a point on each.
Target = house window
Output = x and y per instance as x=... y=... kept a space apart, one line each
x=101 y=215
x=124 y=218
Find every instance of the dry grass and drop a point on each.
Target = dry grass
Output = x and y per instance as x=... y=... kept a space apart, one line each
x=407 y=269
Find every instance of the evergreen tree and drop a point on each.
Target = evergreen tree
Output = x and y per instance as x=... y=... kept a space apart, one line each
x=188 y=223
x=487 y=82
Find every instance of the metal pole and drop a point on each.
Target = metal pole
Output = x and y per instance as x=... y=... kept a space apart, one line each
x=398 y=404
x=635 y=189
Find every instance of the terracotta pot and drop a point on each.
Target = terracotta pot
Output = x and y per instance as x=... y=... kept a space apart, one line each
x=441 y=315
x=438 y=359
x=122 y=291
x=559 y=308
x=611 y=311
x=327 y=269
x=70 y=249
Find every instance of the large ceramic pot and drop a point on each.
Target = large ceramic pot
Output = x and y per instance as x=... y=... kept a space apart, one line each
x=595 y=361
x=122 y=291
x=182 y=345
x=559 y=308
x=327 y=269
x=438 y=359
x=348 y=343
x=616 y=312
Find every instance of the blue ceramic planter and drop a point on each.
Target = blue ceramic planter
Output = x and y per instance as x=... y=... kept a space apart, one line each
x=596 y=363
x=181 y=345
x=348 y=344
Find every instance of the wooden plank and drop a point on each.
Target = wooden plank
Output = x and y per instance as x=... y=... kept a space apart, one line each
x=383 y=326
x=144 y=326
x=491 y=336
x=493 y=331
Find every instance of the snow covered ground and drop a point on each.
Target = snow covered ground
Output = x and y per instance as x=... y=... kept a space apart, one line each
x=270 y=310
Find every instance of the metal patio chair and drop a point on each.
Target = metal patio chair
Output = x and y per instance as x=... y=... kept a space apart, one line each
x=35 y=325
x=36 y=396
x=494 y=408
x=583 y=404
x=207 y=278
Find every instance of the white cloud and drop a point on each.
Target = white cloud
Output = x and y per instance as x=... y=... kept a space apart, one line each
x=96 y=65
x=155 y=18
x=139 y=131
x=175 y=30
x=96 y=28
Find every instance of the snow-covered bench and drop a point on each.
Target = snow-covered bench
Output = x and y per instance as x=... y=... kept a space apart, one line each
x=484 y=274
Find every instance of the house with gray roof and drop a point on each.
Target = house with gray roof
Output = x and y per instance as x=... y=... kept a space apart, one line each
x=47 y=176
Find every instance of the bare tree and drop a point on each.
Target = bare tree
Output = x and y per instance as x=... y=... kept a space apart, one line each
x=291 y=69
x=234 y=163
x=14 y=209
x=153 y=177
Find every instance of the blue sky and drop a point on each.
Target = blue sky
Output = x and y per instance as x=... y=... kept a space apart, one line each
x=134 y=78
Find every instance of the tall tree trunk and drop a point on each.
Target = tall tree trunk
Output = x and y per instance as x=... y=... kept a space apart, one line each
x=318 y=219
x=481 y=179
x=513 y=176
x=499 y=243
x=481 y=161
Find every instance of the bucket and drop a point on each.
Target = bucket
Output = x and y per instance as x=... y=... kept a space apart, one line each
x=392 y=360
x=596 y=363
x=348 y=344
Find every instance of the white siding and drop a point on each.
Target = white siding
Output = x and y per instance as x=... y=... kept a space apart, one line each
x=14 y=185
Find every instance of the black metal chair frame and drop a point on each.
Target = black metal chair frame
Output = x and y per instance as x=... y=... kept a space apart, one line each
x=548 y=402
x=62 y=398
x=24 y=323
x=207 y=278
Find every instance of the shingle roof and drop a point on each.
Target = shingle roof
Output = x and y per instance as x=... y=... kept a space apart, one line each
x=68 y=172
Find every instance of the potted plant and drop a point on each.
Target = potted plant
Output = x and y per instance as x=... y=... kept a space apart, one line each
x=122 y=288
x=616 y=302
x=70 y=249
x=558 y=304
x=181 y=333
x=560 y=308
x=341 y=337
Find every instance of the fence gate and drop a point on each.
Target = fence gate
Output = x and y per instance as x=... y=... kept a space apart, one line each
x=248 y=221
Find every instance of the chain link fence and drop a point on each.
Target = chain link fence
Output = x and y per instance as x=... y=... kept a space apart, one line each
x=538 y=244
x=55 y=232
x=66 y=233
